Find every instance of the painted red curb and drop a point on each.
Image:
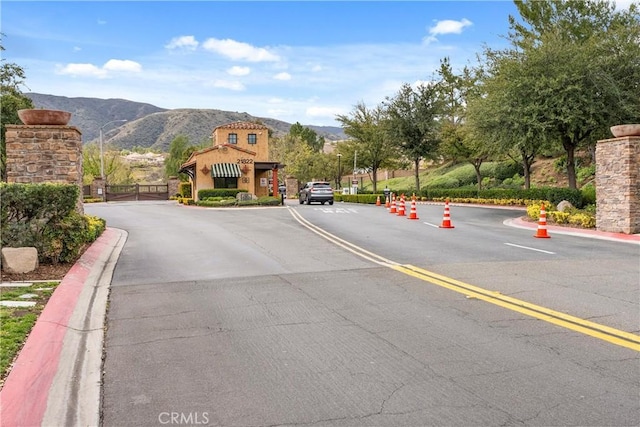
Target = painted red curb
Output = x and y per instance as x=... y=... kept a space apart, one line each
x=23 y=399
x=581 y=231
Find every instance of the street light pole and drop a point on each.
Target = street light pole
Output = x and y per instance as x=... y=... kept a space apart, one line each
x=339 y=172
x=101 y=150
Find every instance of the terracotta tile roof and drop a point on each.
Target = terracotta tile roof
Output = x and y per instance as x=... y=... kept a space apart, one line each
x=242 y=125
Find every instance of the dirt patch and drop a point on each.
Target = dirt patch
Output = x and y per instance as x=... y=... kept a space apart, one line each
x=545 y=174
x=43 y=272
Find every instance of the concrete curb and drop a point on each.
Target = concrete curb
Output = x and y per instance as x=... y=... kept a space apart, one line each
x=56 y=378
x=593 y=234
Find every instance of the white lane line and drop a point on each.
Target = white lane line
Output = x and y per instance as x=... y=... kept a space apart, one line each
x=431 y=225
x=531 y=249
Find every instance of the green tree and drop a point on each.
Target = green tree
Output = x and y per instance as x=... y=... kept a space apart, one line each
x=179 y=152
x=11 y=100
x=371 y=140
x=580 y=69
x=459 y=140
x=116 y=170
x=300 y=160
x=413 y=123
x=502 y=115
x=454 y=90
x=308 y=136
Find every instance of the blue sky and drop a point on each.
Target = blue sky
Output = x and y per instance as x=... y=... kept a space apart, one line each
x=293 y=61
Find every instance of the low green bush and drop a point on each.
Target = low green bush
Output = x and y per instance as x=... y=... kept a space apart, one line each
x=515 y=182
x=44 y=216
x=588 y=194
x=184 y=189
x=585 y=173
x=358 y=198
x=91 y=200
x=217 y=202
x=444 y=181
x=218 y=199
x=552 y=194
x=504 y=170
x=218 y=192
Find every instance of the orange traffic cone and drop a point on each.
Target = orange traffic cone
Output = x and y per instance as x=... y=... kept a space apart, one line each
x=542 y=224
x=413 y=213
x=401 y=210
x=446 y=219
x=387 y=203
x=393 y=204
x=378 y=201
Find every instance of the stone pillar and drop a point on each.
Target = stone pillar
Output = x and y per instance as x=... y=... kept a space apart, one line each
x=38 y=154
x=618 y=185
x=98 y=189
x=292 y=186
x=173 y=186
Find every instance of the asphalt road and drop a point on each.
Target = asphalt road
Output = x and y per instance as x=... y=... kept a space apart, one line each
x=347 y=315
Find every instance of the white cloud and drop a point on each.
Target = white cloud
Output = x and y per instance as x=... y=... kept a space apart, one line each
x=228 y=84
x=182 y=42
x=275 y=112
x=282 y=76
x=88 y=70
x=324 y=111
x=239 y=71
x=239 y=51
x=122 y=65
x=77 y=48
x=447 y=26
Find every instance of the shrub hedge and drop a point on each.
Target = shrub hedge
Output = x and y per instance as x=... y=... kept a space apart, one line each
x=44 y=216
x=215 y=202
x=184 y=189
x=218 y=192
x=552 y=194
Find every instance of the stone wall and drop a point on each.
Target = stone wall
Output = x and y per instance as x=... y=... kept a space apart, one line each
x=618 y=185
x=45 y=154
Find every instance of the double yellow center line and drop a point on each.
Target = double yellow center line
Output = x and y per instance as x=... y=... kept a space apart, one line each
x=596 y=330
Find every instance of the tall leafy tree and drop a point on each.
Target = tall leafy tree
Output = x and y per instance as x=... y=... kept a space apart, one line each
x=459 y=140
x=116 y=170
x=502 y=114
x=300 y=160
x=12 y=99
x=412 y=123
x=580 y=69
x=307 y=135
x=179 y=152
x=367 y=128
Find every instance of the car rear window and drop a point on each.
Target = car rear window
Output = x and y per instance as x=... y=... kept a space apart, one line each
x=321 y=185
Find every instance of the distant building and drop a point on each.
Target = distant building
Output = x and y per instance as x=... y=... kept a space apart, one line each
x=238 y=159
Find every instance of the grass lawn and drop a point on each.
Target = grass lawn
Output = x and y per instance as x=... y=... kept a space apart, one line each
x=17 y=322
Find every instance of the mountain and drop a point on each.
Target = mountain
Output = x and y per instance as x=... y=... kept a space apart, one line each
x=144 y=125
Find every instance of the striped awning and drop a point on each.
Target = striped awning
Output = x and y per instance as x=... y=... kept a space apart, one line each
x=225 y=170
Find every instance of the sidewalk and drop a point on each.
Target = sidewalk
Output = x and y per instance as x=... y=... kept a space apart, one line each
x=56 y=378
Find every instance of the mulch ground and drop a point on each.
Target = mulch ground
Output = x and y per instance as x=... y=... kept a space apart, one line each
x=43 y=272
